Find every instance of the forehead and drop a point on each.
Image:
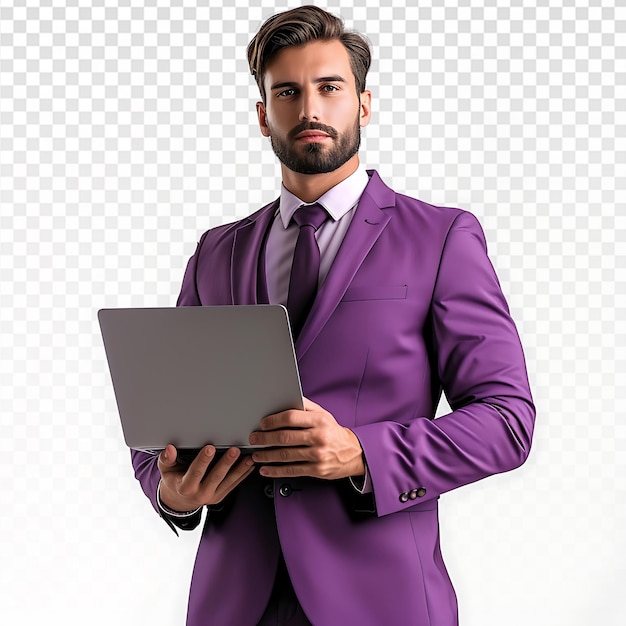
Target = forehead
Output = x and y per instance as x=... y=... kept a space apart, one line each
x=302 y=64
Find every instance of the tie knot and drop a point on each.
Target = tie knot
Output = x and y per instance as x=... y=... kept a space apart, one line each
x=310 y=215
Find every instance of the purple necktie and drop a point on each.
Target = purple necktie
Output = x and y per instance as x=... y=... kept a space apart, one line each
x=305 y=268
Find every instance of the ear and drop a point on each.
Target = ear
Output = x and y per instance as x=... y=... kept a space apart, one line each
x=366 y=108
x=262 y=115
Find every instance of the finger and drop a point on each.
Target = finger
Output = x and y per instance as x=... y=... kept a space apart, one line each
x=197 y=469
x=285 y=437
x=290 y=471
x=217 y=474
x=283 y=455
x=271 y=422
x=286 y=419
x=167 y=459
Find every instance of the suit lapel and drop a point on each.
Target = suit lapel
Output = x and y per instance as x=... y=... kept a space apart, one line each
x=247 y=245
x=368 y=223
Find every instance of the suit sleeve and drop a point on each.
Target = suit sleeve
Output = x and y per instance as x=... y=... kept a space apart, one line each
x=480 y=364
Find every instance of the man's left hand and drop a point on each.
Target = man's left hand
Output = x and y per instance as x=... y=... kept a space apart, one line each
x=307 y=443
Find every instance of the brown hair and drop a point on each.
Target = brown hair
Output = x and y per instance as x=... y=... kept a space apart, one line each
x=302 y=25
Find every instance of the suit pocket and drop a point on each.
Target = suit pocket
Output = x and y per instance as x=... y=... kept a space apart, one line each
x=375 y=292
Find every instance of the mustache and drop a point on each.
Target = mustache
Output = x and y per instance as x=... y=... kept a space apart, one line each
x=329 y=130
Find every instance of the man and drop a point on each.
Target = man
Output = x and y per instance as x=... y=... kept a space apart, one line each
x=336 y=523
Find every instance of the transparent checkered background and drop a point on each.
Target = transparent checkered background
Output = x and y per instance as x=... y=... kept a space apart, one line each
x=128 y=128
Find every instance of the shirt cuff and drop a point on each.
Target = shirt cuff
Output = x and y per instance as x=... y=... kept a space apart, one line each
x=366 y=486
x=171 y=512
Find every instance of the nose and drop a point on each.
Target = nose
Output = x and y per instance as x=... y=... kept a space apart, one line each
x=310 y=106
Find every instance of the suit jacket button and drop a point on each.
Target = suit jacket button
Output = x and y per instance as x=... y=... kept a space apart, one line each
x=404 y=496
x=285 y=491
x=413 y=494
x=269 y=490
x=421 y=492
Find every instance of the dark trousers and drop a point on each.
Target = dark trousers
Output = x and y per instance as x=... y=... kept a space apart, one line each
x=283 y=608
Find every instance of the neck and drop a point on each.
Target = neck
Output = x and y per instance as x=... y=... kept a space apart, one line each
x=310 y=187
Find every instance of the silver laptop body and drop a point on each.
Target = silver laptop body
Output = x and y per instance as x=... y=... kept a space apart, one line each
x=196 y=375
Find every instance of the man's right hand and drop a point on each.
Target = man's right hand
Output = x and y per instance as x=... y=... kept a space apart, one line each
x=187 y=488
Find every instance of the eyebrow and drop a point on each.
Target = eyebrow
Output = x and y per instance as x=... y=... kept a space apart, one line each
x=322 y=79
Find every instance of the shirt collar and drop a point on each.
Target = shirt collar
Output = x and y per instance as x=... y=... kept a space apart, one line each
x=337 y=201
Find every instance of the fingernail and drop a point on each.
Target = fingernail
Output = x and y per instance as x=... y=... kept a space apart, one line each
x=254 y=439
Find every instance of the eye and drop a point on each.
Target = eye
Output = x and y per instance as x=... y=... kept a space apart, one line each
x=286 y=93
x=330 y=88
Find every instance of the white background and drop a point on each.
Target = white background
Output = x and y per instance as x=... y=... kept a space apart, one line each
x=128 y=128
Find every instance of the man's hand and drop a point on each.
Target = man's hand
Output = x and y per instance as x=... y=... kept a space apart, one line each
x=187 y=488
x=307 y=443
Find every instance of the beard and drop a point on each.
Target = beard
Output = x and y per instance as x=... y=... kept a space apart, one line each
x=317 y=158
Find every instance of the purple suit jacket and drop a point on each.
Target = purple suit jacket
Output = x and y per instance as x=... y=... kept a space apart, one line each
x=411 y=306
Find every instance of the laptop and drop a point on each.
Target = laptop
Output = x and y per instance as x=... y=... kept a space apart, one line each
x=191 y=376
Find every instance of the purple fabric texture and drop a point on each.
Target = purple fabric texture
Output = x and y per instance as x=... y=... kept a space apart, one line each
x=411 y=306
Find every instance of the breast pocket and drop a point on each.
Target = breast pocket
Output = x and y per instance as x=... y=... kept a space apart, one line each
x=375 y=292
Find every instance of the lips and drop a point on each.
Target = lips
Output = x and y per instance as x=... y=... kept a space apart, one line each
x=309 y=136
x=312 y=135
x=312 y=132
